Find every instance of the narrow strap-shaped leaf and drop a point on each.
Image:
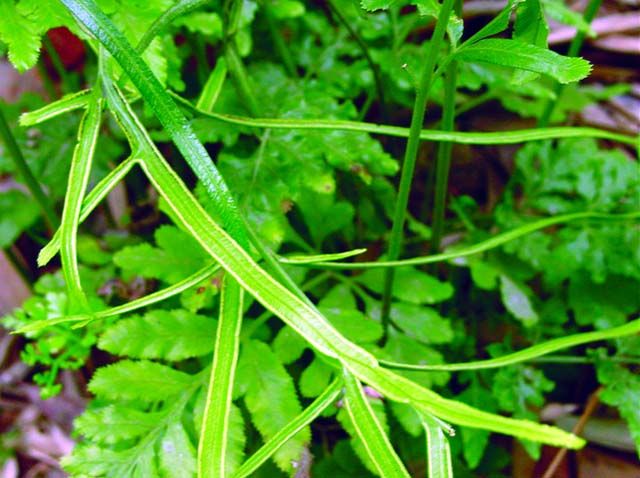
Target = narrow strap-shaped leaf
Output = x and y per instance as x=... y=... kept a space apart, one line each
x=149 y=299
x=309 y=259
x=302 y=317
x=438 y=450
x=76 y=187
x=163 y=21
x=403 y=390
x=212 y=446
x=529 y=353
x=309 y=414
x=91 y=201
x=89 y=15
x=213 y=86
x=483 y=246
x=70 y=102
x=370 y=432
x=495 y=137
x=460 y=137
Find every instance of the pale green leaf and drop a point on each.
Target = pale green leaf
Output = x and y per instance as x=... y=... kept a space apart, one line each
x=370 y=432
x=177 y=455
x=516 y=298
x=520 y=55
x=271 y=399
x=160 y=334
x=115 y=423
x=143 y=380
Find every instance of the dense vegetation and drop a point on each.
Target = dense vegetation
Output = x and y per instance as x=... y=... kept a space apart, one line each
x=292 y=285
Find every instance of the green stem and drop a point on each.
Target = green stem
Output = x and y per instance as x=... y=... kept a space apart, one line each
x=65 y=79
x=29 y=179
x=443 y=162
x=241 y=78
x=574 y=48
x=278 y=41
x=164 y=20
x=411 y=154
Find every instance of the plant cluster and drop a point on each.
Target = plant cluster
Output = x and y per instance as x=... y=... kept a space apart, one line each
x=290 y=311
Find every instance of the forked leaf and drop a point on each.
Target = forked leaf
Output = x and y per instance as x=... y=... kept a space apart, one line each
x=520 y=55
x=143 y=380
x=160 y=334
x=370 y=432
x=89 y=15
x=301 y=316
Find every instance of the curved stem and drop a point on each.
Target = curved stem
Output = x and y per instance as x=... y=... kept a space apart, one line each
x=411 y=154
x=24 y=170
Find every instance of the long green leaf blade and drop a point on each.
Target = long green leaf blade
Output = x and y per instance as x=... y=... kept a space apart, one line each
x=309 y=414
x=370 y=432
x=212 y=446
x=483 y=246
x=76 y=187
x=438 y=450
x=530 y=353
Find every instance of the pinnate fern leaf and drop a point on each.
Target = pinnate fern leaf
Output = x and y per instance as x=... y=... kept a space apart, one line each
x=142 y=380
x=271 y=399
x=160 y=334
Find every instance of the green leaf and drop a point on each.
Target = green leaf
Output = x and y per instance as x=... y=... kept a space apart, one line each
x=315 y=378
x=369 y=430
x=143 y=380
x=177 y=256
x=211 y=89
x=288 y=345
x=115 y=423
x=499 y=23
x=324 y=401
x=621 y=390
x=422 y=323
x=21 y=35
x=530 y=27
x=298 y=314
x=87 y=13
x=271 y=399
x=177 y=456
x=214 y=435
x=410 y=285
x=516 y=298
x=520 y=55
x=438 y=450
x=160 y=334
x=18 y=213
x=546 y=347
x=76 y=187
